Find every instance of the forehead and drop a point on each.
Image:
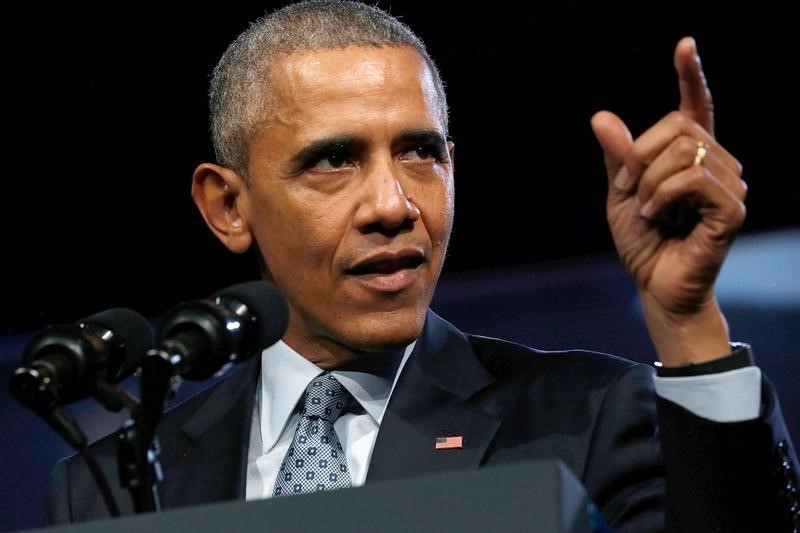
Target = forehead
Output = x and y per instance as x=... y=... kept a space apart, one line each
x=323 y=84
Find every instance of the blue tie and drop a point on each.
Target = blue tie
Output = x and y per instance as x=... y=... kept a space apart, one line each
x=315 y=460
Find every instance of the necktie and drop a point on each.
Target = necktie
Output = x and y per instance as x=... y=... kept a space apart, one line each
x=315 y=460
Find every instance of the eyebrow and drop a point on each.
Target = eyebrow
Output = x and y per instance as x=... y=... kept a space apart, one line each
x=421 y=136
x=320 y=148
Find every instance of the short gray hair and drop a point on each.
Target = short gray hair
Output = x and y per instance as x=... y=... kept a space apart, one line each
x=240 y=96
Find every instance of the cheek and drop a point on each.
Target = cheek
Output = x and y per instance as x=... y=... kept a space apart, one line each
x=450 y=200
x=437 y=210
x=290 y=232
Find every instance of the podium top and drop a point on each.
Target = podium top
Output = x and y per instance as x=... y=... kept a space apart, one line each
x=541 y=495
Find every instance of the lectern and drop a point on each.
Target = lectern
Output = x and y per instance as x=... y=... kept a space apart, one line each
x=536 y=496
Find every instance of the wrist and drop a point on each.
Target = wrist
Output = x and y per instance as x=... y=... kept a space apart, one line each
x=687 y=339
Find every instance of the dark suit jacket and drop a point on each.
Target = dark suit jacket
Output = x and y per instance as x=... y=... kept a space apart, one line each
x=597 y=413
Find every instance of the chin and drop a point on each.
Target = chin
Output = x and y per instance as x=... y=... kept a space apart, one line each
x=383 y=331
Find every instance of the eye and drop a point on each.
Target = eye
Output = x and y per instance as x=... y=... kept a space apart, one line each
x=333 y=160
x=423 y=152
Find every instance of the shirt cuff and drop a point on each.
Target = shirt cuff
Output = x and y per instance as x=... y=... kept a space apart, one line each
x=732 y=396
x=740 y=357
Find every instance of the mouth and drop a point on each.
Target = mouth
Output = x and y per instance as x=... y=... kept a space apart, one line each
x=388 y=271
x=387 y=263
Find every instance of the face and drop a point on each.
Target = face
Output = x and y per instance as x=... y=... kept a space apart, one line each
x=350 y=198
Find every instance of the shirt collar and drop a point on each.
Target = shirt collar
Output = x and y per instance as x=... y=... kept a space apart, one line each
x=285 y=374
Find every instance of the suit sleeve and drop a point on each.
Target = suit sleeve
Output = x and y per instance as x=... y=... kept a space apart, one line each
x=738 y=476
x=690 y=474
x=624 y=470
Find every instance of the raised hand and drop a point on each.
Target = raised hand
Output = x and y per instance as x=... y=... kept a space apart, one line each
x=674 y=203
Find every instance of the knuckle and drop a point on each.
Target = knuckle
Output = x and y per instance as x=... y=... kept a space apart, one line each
x=737 y=166
x=685 y=148
x=674 y=116
x=679 y=119
x=743 y=188
x=698 y=174
x=740 y=212
x=636 y=157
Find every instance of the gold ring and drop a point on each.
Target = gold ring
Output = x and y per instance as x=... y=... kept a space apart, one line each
x=701 y=154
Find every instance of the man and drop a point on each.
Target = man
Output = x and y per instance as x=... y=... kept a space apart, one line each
x=330 y=125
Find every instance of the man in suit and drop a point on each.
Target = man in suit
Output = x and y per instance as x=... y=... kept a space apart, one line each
x=330 y=125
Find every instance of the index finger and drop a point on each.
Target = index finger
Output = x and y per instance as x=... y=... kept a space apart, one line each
x=696 y=99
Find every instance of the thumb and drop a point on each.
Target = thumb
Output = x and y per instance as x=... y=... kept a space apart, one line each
x=615 y=139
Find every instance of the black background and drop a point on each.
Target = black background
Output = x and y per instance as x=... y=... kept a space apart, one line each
x=105 y=119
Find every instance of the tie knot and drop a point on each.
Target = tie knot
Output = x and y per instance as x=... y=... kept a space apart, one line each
x=325 y=398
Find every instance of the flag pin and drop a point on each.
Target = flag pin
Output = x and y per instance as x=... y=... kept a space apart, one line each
x=449 y=443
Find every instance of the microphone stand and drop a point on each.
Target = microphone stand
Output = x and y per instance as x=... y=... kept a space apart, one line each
x=139 y=469
x=188 y=351
x=138 y=448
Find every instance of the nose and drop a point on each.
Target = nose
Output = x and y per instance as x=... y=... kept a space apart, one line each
x=387 y=207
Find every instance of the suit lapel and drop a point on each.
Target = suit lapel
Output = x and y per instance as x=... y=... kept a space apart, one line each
x=430 y=400
x=212 y=466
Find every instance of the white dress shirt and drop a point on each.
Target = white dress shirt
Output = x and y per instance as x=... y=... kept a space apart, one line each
x=285 y=374
x=730 y=396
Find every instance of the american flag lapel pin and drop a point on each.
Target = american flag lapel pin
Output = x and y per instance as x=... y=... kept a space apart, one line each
x=449 y=443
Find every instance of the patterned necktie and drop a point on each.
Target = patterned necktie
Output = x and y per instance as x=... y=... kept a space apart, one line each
x=315 y=460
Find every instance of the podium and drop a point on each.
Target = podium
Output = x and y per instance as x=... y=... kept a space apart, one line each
x=536 y=496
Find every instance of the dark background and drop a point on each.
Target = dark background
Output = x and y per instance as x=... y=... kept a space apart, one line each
x=105 y=119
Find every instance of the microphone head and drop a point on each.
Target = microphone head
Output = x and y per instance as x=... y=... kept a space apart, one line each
x=266 y=304
x=69 y=360
x=133 y=337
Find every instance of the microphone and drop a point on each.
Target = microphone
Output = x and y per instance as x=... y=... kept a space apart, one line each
x=66 y=363
x=194 y=340
x=200 y=338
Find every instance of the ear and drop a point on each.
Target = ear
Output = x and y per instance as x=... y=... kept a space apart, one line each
x=451 y=150
x=218 y=192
